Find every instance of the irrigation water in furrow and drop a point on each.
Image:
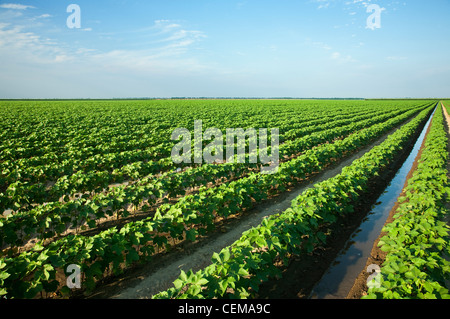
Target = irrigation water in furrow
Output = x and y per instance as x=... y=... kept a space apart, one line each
x=162 y=278
x=338 y=280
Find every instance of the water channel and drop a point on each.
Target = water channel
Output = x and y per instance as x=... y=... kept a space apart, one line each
x=338 y=280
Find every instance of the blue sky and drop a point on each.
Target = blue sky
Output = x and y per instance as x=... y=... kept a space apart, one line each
x=243 y=48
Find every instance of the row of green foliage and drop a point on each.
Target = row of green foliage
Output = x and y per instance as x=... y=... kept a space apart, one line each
x=34 y=271
x=38 y=180
x=56 y=129
x=82 y=141
x=238 y=270
x=34 y=190
x=54 y=218
x=417 y=240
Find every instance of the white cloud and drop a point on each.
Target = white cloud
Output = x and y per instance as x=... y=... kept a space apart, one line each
x=174 y=33
x=365 y=3
x=335 y=55
x=15 y=38
x=18 y=46
x=69 y=68
x=62 y=58
x=338 y=57
x=15 y=6
x=168 y=53
x=323 y=4
x=165 y=26
x=44 y=16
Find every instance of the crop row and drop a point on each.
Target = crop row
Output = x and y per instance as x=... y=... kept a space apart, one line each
x=60 y=128
x=54 y=218
x=19 y=193
x=238 y=270
x=111 y=250
x=28 y=183
x=97 y=136
x=417 y=240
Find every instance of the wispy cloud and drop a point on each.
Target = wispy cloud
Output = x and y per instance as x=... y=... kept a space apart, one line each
x=338 y=57
x=41 y=17
x=365 y=3
x=169 y=50
x=15 y=6
x=323 y=4
x=165 y=26
x=18 y=44
x=176 y=34
x=44 y=16
x=163 y=34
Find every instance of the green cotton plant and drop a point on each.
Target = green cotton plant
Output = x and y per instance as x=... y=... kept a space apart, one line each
x=136 y=193
x=306 y=164
x=251 y=259
x=90 y=210
x=110 y=250
x=3 y=275
x=417 y=240
x=71 y=176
